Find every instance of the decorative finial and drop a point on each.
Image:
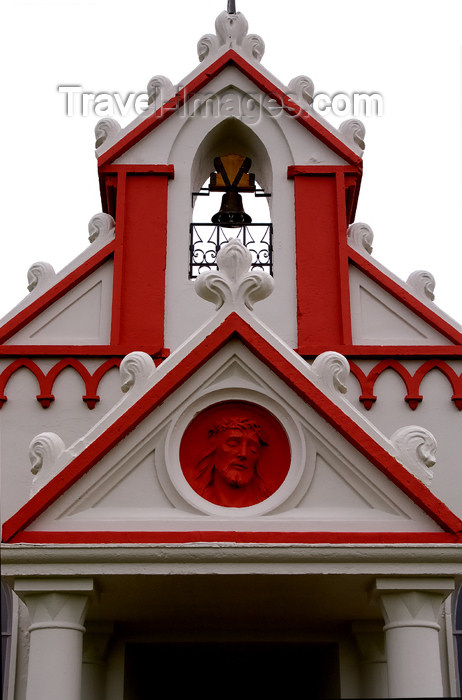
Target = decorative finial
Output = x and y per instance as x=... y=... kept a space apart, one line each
x=231 y=7
x=233 y=284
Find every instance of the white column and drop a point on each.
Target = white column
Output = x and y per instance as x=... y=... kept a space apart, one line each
x=57 y=609
x=95 y=643
x=370 y=638
x=411 y=608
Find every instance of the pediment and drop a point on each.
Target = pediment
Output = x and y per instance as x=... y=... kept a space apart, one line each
x=230 y=71
x=126 y=478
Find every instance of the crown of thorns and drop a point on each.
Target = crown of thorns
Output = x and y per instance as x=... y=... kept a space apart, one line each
x=238 y=424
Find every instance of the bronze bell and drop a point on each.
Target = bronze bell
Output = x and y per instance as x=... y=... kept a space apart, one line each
x=231 y=214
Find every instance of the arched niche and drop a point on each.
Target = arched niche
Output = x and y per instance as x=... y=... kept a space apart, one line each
x=228 y=137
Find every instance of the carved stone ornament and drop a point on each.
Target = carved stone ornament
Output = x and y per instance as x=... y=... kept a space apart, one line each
x=416 y=449
x=39 y=274
x=233 y=284
x=353 y=132
x=231 y=32
x=135 y=369
x=44 y=452
x=334 y=369
x=423 y=283
x=105 y=129
x=301 y=89
x=101 y=226
x=159 y=89
x=235 y=454
x=361 y=236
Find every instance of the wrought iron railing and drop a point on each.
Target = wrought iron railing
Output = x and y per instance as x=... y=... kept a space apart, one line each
x=206 y=239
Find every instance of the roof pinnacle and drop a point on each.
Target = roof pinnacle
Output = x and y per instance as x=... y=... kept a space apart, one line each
x=231 y=7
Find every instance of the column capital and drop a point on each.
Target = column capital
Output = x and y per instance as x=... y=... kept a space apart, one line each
x=412 y=601
x=55 y=602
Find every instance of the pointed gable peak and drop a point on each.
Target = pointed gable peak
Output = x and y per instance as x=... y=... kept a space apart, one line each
x=231 y=45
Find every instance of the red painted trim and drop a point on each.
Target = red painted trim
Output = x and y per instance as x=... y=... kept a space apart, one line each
x=46 y=381
x=234 y=326
x=81 y=350
x=412 y=382
x=117 y=273
x=48 y=298
x=140 y=260
x=323 y=306
x=360 y=351
x=405 y=297
x=12 y=368
x=119 y=168
x=372 y=351
x=344 y=276
x=293 y=170
x=230 y=58
x=124 y=537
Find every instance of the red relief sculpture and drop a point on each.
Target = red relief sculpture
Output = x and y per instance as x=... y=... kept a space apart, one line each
x=235 y=454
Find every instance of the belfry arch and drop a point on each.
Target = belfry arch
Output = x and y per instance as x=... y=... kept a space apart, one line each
x=201 y=138
x=232 y=136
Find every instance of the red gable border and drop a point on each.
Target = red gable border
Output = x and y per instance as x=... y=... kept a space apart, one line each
x=233 y=327
x=230 y=58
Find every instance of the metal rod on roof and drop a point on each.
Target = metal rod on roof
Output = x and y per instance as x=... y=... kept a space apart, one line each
x=231 y=7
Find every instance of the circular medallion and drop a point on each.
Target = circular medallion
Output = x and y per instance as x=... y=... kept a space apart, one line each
x=235 y=454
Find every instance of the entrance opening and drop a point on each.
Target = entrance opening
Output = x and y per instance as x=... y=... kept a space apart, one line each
x=225 y=668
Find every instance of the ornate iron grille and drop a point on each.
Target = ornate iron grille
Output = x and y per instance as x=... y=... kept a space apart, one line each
x=206 y=239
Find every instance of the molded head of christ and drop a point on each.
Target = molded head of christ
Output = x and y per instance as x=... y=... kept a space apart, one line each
x=231 y=469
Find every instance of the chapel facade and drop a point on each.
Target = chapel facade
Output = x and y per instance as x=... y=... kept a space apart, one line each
x=230 y=441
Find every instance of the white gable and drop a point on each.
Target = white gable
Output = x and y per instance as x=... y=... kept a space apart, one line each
x=378 y=318
x=139 y=485
x=82 y=316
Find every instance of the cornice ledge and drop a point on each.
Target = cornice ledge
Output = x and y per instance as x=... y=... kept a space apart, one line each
x=442 y=559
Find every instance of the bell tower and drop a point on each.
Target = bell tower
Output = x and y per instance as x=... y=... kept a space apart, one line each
x=236 y=122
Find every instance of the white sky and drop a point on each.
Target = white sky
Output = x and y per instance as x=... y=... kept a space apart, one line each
x=407 y=50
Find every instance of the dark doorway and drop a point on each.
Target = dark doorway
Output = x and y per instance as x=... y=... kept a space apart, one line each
x=229 y=668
